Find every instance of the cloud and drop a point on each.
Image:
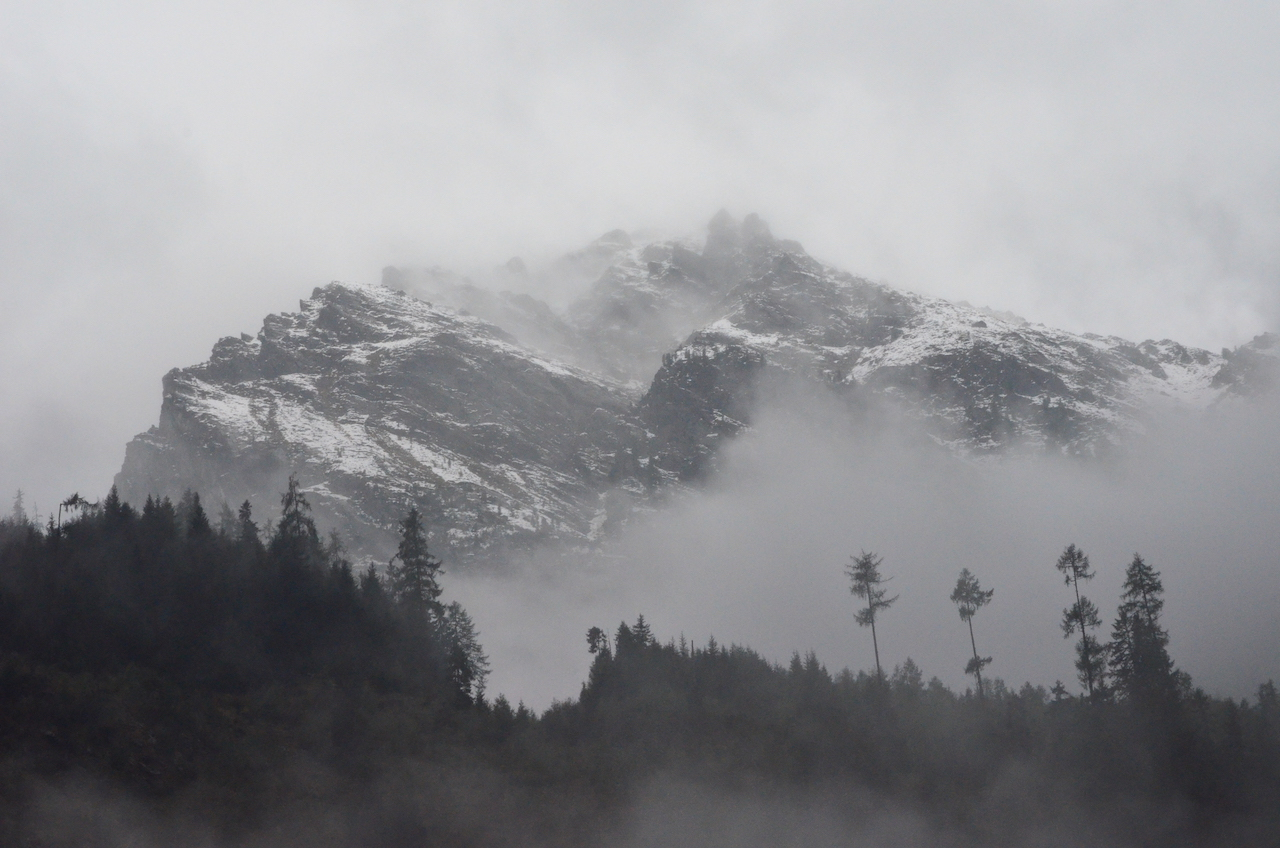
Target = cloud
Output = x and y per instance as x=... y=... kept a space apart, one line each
x=759 y=558
x=169 y=174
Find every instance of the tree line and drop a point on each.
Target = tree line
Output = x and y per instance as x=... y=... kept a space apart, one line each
x=1133 y=665
x=1187 y=769
x=229 y=605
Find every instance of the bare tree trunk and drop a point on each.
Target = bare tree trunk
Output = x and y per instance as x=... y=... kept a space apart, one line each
x=1088 y=675
x=876 y=645
x=977 y=663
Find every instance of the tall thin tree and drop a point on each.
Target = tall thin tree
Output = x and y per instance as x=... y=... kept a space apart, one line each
x=865 y=582
x=969 y=597
x=1082 y=616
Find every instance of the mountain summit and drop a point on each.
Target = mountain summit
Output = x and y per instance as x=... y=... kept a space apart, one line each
x=507 y=422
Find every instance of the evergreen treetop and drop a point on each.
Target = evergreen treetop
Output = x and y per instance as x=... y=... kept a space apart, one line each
x=415 y=577
x=1138 y=653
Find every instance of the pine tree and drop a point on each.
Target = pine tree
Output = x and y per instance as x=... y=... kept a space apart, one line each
x=296 y=524
x=197 y=519
x=643 y=634
x=414 y=579
x=75 y=502
x=1139 y=658
x=598 y=642
x=227 y=525
x=624 y=641
x=371 y=588
x=468 y=664
x=159 y=521
x=296 y=542
x=1082 y=616
x=248 y=528
x=969 y=597
x=865 y=582
x=113 y=510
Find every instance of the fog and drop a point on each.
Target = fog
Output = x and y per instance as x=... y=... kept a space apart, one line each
x=171 y=173
x=759 y=559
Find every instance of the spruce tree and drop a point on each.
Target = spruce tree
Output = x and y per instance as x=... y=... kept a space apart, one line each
x=468 y=664
x=248 y=528
x=969 y=597
x=296 y=524
x=414 y=579
x=197 y=519
x=1139 y=659
x=643 y=634
x=1081 y=617
x=114 y=511
x=865 y=582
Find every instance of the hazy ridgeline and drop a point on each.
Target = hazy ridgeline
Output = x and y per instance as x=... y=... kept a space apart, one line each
x=167 y=679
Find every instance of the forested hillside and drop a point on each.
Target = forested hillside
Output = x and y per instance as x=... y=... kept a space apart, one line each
x=166 y=678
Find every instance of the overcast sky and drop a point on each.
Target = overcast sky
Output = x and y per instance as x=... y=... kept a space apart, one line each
x=170 y=173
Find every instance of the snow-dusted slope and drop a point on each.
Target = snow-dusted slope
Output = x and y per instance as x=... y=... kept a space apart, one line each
x=980 y=383
x=377 y=400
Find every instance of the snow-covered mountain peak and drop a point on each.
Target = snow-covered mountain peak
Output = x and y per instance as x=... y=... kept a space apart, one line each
x=506 y=421
x=377 y=400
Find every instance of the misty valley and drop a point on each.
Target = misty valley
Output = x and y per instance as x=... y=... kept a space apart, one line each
x=417 y=565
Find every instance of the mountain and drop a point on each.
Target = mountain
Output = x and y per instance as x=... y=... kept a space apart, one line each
x=509 y=423
x=376 y=401
x=980 y=381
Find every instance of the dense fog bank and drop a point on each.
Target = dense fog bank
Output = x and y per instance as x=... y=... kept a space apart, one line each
x=758 y=557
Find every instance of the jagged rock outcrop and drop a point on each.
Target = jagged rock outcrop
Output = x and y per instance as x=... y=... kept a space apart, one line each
x=979 y=381
x=376 y=401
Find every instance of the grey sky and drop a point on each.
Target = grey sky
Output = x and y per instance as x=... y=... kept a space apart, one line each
x=169 y=173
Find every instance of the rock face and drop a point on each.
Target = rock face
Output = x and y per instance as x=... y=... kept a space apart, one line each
x=980 y=382
x=377 y=399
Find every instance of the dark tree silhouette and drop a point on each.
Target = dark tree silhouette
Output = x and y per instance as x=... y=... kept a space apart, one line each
x=468 y=663
x=1140 y=663
x=597 y=641
x=1081 y=617
x=969 y=597
x=865 y=582
x=415 y=578
x=296 y=526
x=72 y=503
x=248 y=528
x=197 y=519
x=642 y=632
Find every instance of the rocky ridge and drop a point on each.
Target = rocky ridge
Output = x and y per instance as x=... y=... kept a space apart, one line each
x=980 y=382
x=378 y=399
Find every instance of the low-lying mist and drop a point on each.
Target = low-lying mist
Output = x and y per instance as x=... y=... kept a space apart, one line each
x=757 y=557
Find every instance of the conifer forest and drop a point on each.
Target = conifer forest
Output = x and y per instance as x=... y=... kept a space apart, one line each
x=168 y=676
